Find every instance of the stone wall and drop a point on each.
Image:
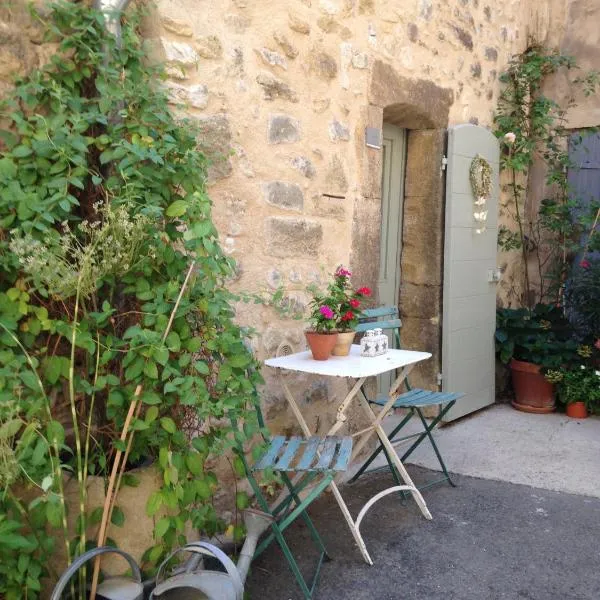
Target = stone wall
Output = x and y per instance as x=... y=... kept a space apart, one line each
x=284 y=91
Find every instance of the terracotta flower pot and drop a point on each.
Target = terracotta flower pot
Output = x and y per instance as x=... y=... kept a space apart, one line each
x=344 y=343
x=321 y=344
x=577 y=410
x=533 y=392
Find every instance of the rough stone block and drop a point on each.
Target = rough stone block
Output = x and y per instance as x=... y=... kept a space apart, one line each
x=298 y=25
x=336 y=182
x=283 y=129
x=15 y=54
x=424 y=176
x=276 y=88
x=177 y=27
x=423 y=335
x=410 y=103
x=464 y=37
x=284 y=195
x=338 y=131
x=179 y=53
x=288 y=48
x=422 y=245
x=195 y=96
x=323 y=65
x=366 y=230
x=304 y=165
x=291 y=236
x=209 y=46
x=491 y=54
x=215 y=141
x=420 y=301
x=413 y=32
x=272 y=59
x=360 y=60
x=330 y=207
x=239 y=23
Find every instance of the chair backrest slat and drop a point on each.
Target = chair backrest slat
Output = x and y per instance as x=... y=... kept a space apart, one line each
x=389 y=324
x=381 y=311
x=370 y=318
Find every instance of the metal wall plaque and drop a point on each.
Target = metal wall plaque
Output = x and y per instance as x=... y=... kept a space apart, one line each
x=373 y=137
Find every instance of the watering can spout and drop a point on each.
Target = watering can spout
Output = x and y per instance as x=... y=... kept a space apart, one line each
x=256 y=522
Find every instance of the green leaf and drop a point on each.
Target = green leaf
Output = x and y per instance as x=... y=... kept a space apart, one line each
x=151 y=414
x=194 y=463
x=10 y=428
x=47 y=482
x=161 y=355
x=151 y=370
x=193 y=344
x=177 y=208
x=54 y=514
x=168 y=425
x=151 y=398
x=173 y=342
x=162 y=527
x=241 y=500
x=22 y=151
x=239 y=360
x=201 y=367
x=118 y=517
x=135 y=369
x=53 y=369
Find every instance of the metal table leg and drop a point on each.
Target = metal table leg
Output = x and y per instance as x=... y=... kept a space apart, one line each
x=340 y=420
x=376 y=420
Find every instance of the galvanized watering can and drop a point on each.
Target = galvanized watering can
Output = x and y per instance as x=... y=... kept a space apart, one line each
x=192 y=583
x=189 y=581
x=114 y=588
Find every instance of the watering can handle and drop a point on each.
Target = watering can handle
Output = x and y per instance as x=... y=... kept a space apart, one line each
x=81 y=560
x=209 y=549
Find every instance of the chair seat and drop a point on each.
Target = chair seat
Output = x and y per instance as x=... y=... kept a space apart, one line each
x=418 y=397
x=313 y=454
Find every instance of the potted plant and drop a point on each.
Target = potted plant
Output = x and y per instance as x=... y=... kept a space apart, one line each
x=532 y=341
x=334 y=315
x=349 y=307
x=578 y=389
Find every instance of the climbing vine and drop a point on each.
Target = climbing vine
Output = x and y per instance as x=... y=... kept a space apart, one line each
x=112 y=295
x=531 y=127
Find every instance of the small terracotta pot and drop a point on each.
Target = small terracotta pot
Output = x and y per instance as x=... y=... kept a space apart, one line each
x=577 y=410
x=321 y=344
x=344 y=343
x=533 y=392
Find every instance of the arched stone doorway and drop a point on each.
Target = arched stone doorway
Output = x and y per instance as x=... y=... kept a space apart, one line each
x=422 y=108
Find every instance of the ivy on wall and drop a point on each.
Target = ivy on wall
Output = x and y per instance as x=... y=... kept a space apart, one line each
x=532 y=126
x=103 y=208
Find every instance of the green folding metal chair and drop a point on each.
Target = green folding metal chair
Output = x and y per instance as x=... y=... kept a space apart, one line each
x=314 y=460
x=413 y=400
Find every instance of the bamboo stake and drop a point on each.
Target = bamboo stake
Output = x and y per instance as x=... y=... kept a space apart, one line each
x=118 y=465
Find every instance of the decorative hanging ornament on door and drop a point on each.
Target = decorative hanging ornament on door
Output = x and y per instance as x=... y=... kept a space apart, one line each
x=480 y=176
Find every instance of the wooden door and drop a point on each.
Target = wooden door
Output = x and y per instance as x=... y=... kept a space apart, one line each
x=392 y=195
x=469 y=296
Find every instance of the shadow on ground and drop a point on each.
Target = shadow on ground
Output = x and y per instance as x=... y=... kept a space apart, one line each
x=488 y=540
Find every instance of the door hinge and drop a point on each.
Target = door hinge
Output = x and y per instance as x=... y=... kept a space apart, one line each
x=444 y=162
x=440 y=378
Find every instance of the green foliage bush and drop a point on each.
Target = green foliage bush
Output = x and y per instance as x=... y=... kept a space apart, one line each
x=103 y=207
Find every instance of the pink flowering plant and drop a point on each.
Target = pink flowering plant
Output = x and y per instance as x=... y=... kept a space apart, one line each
x=339 y=308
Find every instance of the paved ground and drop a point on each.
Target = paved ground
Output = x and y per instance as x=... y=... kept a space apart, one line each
x=489 y=540
x=552 y=452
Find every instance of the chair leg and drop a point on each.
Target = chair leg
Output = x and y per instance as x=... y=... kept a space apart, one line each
x=312 y=529
x=279 y=528
x=380 y=449
x=427 y=433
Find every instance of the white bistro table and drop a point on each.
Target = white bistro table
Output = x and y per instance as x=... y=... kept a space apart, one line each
x=359 y=368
